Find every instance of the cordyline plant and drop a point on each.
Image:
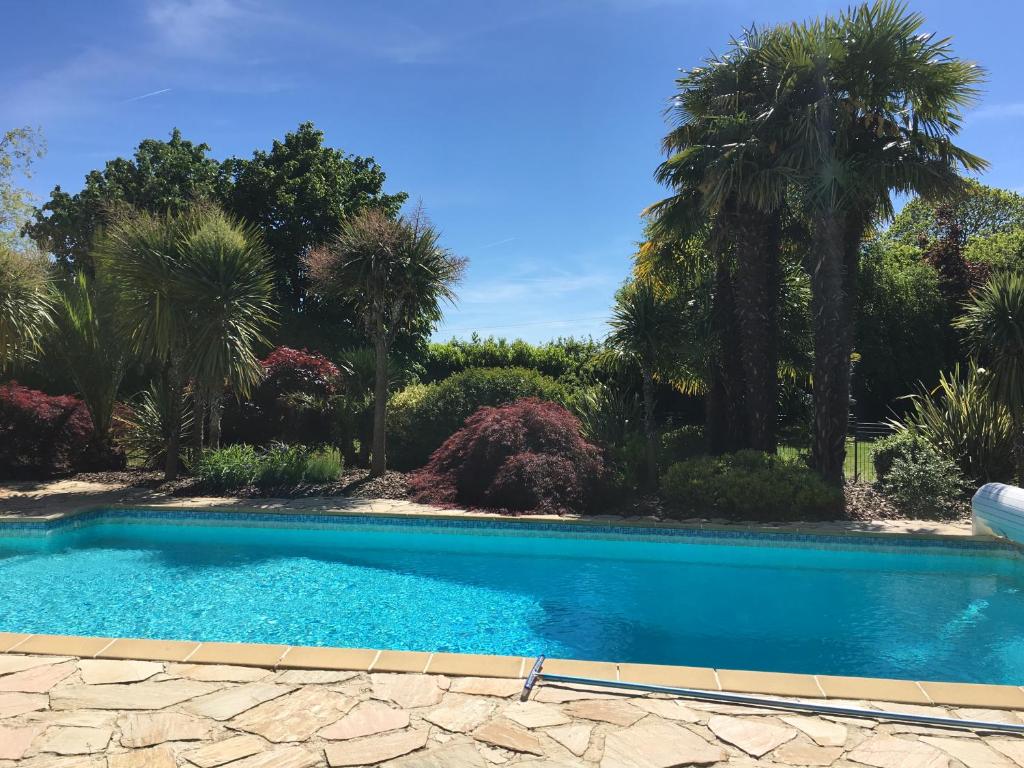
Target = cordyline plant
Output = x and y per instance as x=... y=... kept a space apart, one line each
x=394 y=275
x=194 y=296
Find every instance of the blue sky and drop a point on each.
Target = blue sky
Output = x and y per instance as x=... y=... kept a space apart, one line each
x=528 y=129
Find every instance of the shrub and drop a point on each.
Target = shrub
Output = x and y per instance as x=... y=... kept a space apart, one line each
x=900 y=444
x=423 y=416
x=921 y=481
x=230 y=468
x=749 y=485
x=41 y=434
x=525 y=457
x=682 y=443
x=962 y=421
x=290 y=404
x=564 y=357
x=280 y=466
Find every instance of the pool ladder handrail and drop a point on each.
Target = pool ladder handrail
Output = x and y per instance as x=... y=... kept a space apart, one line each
x=765 y=702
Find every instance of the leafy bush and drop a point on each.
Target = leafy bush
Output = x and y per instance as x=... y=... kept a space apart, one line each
x=525 y=457
x=556 y=358
x=749 y=485
x=682 y=443
x=41 y=434
x=230 y=468
x=280 y=466
x=290 y=404
x=964 y=423
x=918 y=478
x=423 y=416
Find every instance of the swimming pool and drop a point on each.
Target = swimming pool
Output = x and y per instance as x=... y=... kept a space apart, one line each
x=924 y=609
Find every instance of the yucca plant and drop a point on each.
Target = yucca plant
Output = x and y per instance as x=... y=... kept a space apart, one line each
x=961 y=419
x=194 y=297
x=147 y=426
x=26 y=307
x=85 y=337
x=993 y=326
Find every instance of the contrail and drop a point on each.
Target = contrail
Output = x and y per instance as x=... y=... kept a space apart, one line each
x=146 y=95
x=499 y=242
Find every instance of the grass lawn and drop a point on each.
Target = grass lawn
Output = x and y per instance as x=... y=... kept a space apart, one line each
x=857 y=463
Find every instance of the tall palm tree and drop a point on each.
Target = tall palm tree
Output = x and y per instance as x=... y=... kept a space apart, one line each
x=641 y=330
x=26 y=307
x=870 y=107
x=993 y=327
x=395 y=275
x=724 y=163
x=86 y=339
x=180 y=306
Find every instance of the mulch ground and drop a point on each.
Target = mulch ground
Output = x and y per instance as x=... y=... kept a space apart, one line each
x=863 y=501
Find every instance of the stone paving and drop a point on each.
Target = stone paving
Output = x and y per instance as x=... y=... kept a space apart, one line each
x=65 y=712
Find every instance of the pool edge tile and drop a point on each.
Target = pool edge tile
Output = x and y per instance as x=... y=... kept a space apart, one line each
x=314 y=657
x=596 y=670
x=774 y=683
x=11 y=640
x=64 y=645
x=872 y=689
x=703 y=678
x=238 y=654
x=975 y=695
x=401 y=661
x=475 y=665
x=148 y=650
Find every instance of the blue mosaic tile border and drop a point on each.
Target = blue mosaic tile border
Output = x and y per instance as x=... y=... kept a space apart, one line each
x=523 y=528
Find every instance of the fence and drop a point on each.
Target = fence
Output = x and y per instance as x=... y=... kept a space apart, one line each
x=858 y=465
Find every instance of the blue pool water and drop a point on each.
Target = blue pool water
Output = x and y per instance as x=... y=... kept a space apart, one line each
x=919 y=612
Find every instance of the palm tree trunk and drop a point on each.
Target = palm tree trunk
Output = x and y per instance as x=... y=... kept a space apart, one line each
x=199 y=401
x=755 y=239
x=725 y=419
x=174 y=387
x=650 y=433
x=216 y=412
x=830 y=322
x=378 y=460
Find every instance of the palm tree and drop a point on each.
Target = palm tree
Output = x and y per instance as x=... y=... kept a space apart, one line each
x=641 y=330
x=724 y=163
x=180 y=307
x=26 y=308
x=393 y=273
x=870 y=107
x=86 y=339
x=993 y=327
x=227 y=281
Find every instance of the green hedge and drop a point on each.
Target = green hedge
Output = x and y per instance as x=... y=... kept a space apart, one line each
x=423 y=416
x=280 y=466
x=917 y=478
x=748 y=485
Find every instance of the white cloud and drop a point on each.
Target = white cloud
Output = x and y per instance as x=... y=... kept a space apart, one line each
x=195 y=26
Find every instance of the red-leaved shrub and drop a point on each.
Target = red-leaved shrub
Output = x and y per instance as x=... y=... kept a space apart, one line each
x=293 y=370
x=289 y=404
x=524 y=457
x=41 y=434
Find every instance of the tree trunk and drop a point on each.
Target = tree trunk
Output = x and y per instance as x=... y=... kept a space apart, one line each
x=378 y=460
x=725 y=421
x=216 y=412
x=829 y=318
x=174 y=387
x=755 y=239
x=199 y=401
x=650 y=434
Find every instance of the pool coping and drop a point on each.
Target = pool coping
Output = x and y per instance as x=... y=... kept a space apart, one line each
x=926 y=693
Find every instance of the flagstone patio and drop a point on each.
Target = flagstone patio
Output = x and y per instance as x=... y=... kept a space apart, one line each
x=65 y=712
